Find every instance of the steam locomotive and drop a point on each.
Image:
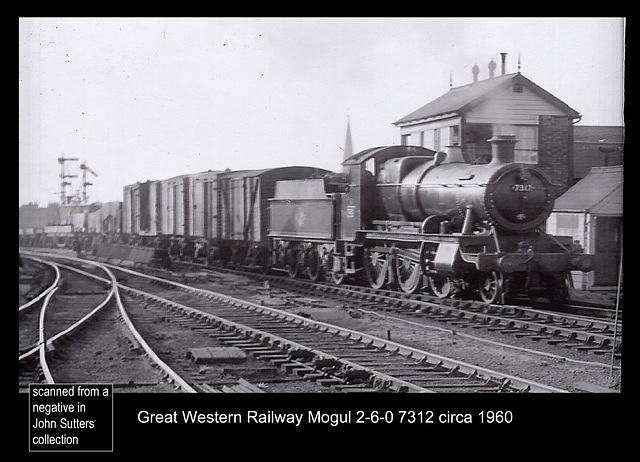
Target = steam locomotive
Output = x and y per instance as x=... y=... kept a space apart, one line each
x=413 y=218
x=402 y=217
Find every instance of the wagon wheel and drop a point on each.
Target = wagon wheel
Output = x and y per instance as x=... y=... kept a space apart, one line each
x=376 y=265
x=441 y=286
x=409 y=274
x=237 y=259
x=314 y=265
x=337 y=278
x=333 y=269
x=173 y=252
x=291 y=263
x=491 y=287
x=264 y=263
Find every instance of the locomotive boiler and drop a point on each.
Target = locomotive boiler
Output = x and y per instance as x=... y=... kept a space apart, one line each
x=516 y=197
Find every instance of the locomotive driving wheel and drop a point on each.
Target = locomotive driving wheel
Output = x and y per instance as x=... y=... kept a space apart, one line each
x=491 y=287
x=409 y=274
x=441 y=286
x=376 y=266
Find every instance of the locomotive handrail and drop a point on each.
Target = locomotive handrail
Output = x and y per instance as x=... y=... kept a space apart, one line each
x=426 y=221
x=494 y=232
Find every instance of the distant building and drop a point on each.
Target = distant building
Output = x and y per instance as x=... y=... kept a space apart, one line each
x=508 y=104
x=32 y=216
x=104 y=217
x=596 y=146
x=591 y=212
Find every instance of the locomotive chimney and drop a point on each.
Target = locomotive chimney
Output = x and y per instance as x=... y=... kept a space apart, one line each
x=502 y=149
x=504 y=63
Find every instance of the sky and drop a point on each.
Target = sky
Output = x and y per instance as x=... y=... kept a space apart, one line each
x=139 y=99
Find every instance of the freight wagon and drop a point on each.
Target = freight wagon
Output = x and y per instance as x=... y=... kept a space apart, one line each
x=220 y=215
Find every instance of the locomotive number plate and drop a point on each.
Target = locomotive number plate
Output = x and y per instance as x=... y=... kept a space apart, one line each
x=522 y=187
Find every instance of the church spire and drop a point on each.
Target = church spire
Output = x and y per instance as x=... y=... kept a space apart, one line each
x=348 y=147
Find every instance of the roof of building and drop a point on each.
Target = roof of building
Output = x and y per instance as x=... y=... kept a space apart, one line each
x=462 y=99
x=596 y=146
x=598 y=193
x=604 y=134
x=32 y=216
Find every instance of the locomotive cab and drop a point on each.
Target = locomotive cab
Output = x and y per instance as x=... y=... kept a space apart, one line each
x=371 y=194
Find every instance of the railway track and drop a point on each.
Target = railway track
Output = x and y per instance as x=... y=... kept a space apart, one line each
x=581 y=333
x=36 y=278
x=318 y=352
x=75 y=333
x=330 y=355
x=358 y=298
x=115 y=336
x=595 y=333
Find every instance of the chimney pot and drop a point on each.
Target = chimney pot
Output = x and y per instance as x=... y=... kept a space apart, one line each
x=606 y=154
x=504 y=62
x=492 y=68
x=475 y=70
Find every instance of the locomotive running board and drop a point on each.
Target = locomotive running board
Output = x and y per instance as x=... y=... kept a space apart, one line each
x=417 y=238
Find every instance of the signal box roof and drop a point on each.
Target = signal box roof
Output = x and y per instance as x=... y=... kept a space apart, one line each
x=460 y=100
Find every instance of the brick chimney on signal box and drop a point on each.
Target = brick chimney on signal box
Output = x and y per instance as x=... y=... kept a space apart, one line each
x=504 y=63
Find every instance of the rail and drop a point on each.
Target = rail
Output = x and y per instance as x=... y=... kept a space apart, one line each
x=44 y=293
x=43 y=343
